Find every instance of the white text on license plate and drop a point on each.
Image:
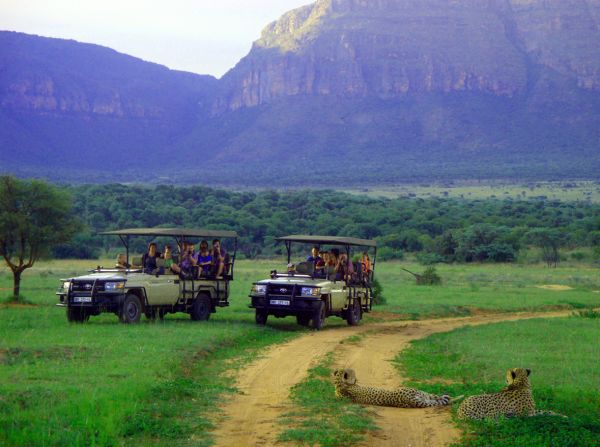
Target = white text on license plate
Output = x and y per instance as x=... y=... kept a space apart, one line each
x=82 y=299
x=280 y=302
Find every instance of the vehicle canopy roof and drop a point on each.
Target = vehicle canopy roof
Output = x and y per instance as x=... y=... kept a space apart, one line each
x=330 y=240
x=175 y=232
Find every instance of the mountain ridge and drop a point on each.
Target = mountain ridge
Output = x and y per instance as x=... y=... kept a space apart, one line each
x=392 y=89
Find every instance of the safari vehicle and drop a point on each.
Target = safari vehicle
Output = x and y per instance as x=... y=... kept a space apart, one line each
x=313 y=296
x=130 y=292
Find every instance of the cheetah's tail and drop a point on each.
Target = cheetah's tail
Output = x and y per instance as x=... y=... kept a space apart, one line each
x=549 y=413
x=456 y=399
x=432 y=400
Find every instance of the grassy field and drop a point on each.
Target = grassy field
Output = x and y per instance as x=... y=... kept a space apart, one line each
x=564 y=357
x=565 y=191
x=498 y=287
x=104 y=383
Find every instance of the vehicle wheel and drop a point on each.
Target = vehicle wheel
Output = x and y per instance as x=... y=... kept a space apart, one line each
x=77 y=315
x=303 y=320
x=201 y=308
x=318 y=318
x=131 y=311
x=354 y=313
x=261 y=317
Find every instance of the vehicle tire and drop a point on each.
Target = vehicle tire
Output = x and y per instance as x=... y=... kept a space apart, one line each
x=354 y=313
x=131 y=310
x=318 y=317
x=261 y=317
x=201 y=308
x=77 y=315
x=303 y=320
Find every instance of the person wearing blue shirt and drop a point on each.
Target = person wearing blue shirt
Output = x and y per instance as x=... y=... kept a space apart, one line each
x=314 y=256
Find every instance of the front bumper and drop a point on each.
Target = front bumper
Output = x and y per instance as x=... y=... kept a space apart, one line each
x=98 y=302
x=277 y=305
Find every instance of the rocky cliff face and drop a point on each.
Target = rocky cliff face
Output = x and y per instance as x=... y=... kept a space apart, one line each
x=392 y=48
x=55 y=76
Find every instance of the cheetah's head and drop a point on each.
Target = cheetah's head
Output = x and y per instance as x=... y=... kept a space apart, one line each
x=343 y=377
x=517 y=377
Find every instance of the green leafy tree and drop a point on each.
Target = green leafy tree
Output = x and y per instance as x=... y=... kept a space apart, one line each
x=549 y=240
x=34 y=216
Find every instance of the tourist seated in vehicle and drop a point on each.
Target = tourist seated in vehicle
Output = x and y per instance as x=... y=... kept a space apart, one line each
x=204 y=259
x=314 y=255
x=323 y=270
x=149 y=260
x=366 y=266
x=122 y=262
x=219 y=258
x=170 y=265
x=187 y=261
x=344 y=269
x=317 y=261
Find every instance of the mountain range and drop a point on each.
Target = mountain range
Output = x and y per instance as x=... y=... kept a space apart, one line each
x=338 y=92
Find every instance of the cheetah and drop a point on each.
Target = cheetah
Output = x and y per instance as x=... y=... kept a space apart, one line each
x=345 y=386
x=514 y=400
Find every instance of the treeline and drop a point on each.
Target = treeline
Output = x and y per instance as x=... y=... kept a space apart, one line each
x=437 y=229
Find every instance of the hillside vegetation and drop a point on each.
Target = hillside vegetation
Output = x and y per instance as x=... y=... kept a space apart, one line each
x=438 y=229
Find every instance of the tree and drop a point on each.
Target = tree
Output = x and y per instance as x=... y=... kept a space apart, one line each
x=34 y=216
x=549 y=240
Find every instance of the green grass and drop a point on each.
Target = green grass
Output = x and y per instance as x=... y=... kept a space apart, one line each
x=489 y=287
x=321 y=419
x=563 y=355
x=104 y=383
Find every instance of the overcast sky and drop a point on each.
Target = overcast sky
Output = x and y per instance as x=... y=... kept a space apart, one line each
x=202 y=36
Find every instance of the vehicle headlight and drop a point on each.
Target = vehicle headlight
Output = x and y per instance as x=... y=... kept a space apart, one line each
x=112 y=286
x=259 y=289
x=310 y=291
x=66 y=285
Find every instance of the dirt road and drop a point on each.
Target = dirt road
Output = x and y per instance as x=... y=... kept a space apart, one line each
x=251 y=416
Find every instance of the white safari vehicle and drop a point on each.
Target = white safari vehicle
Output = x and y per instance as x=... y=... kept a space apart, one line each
x=312 y=294
x=130 y=292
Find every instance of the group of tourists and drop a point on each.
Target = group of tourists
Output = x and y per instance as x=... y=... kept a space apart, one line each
x=189 y=264
x=339 y=265
x=214 y=261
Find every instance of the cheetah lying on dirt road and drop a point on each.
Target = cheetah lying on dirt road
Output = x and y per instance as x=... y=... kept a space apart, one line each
x=345 y=386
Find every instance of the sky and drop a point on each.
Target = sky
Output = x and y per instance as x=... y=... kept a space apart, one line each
x=202 y=36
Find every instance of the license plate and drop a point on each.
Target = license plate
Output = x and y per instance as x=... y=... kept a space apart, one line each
x=82 y=299
x=280 y=302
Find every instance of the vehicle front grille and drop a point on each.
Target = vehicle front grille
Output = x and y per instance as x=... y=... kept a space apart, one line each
x=86 y=286
x=280 y=290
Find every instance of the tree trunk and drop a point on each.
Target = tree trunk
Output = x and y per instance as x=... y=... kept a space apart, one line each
x=17 y=284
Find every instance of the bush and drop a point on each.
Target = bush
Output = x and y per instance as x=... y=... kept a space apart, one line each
x=429 y=277
x=377 y=290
